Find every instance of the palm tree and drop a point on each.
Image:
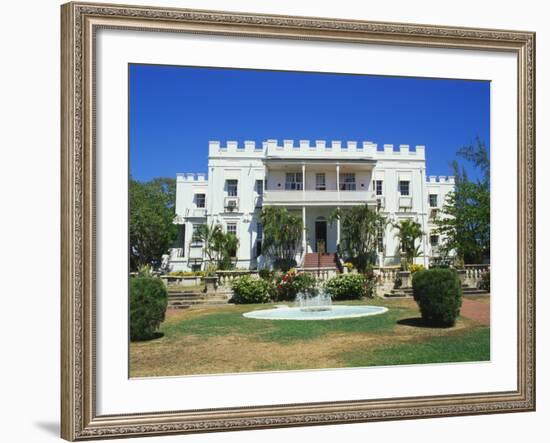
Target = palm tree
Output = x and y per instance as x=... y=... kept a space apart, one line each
x=220 y=247
x=282 y=234
x=408 y=232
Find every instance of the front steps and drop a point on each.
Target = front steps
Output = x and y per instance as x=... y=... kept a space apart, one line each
x=408 y=292
x=315 y=260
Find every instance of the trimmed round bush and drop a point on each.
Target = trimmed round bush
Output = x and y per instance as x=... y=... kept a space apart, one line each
x=247 y=289
x=347 y=287
x=438 y=293
x=148 y=302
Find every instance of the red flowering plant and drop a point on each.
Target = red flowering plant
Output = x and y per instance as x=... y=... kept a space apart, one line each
x=291 y=283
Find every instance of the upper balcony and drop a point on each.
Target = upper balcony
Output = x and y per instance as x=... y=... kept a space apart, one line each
x=313 y=197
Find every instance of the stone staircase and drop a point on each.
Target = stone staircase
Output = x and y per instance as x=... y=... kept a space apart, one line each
x=183 y=300
x=314 y=260
x=408 y=292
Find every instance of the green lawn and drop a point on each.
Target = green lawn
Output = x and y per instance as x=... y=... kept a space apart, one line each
x=207 y=340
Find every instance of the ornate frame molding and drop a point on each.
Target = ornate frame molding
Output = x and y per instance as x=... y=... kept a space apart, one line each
x=79 y=23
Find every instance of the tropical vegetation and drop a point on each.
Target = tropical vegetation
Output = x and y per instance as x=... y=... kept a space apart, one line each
x=282 y=234
x=219 y=247
x=360 y=227
x=291 y=283
x=151 y=227
x=466 y=215
x=409 y=233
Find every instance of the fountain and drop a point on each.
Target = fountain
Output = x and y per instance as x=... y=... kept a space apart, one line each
x=315 y=305
x=308 y=302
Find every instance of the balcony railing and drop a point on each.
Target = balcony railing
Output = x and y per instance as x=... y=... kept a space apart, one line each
x=314 y=196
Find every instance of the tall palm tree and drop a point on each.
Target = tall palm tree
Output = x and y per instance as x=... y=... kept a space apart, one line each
x=408 y=232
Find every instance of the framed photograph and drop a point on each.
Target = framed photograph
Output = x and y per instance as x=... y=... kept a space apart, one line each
x=275 y=221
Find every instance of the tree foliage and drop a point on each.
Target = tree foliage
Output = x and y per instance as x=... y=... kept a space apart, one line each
x=466 y=215
x=282 y=236
x=152 y=231
x=219 y=247
x=359 y=227
x=408 y=232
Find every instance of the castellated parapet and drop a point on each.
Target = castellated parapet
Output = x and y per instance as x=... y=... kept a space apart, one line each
x=450 y=180
x=192 y=177
x=307 y=148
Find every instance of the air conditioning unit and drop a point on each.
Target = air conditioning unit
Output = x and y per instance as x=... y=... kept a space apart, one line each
x=231 y=204
x=405 y=202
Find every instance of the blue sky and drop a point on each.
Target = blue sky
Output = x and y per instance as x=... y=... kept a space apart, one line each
x=175 y=110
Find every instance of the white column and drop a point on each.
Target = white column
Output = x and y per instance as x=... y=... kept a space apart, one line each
x=338 y=180
x=304 y=239
x=338 y=229
x=303 y=181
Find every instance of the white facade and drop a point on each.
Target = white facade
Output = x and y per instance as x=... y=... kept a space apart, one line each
x=311 y=179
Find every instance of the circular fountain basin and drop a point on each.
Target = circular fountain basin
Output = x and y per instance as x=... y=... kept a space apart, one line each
x=329 y=313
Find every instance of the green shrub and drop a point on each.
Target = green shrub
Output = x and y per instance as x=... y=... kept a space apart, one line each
x=247 y=289
x=347 y=287
x=485 y=282
x=438 y=293
x=187 y=273
x=148 y=302
x=291 y=283
x=266 y=274
x=284 y=264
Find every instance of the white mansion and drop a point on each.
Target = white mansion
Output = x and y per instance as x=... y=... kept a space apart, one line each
x=312 y=180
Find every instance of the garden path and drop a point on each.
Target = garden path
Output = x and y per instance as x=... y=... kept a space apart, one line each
x=476 y=310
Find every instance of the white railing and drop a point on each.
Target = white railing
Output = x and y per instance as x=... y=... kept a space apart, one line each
x=322 y=274
x=225 y=278
x=290 y=196
x=474 y=274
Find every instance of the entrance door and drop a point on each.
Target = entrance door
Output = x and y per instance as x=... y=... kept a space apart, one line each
x=321 y=236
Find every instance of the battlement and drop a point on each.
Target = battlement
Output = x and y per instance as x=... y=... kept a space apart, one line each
x=450 y=180
x=306 y=148
x=190 y=177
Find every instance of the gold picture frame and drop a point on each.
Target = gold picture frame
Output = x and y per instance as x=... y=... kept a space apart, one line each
x=80 y=21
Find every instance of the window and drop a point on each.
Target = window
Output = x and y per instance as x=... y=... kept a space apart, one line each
x=320 y=181
x=378 y=187
x=232 y=187
x=195 y=240
x=404 y=187
x=200 y=200
x=180 y=241
x=259 y=238
x=232 y=228
x=259 y=187
x=433 y=200
x=294 y=181
x=434 y=240
x=347 y=181
x=433 y=213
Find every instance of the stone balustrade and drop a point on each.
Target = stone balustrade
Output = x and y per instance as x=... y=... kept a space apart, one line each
x=322 y=274
x=225 y=278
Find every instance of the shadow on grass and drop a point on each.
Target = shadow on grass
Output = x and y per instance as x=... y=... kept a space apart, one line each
x=419 y=322
x=155 y=336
